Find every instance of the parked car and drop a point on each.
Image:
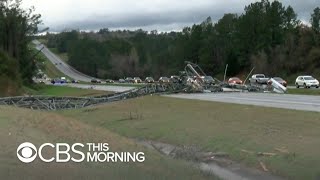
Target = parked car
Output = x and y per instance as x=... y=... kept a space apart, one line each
x=164 y=80
x=307 y=82
x=109 y=81
x=234 y=81
x=137 y=80
x=122 y=81
x=279 y=80
x=75 y=81
x=57 y=81
x=149 y=80
x=258 y=79
x=63 y=80
x=96 y=81
x=129 y=80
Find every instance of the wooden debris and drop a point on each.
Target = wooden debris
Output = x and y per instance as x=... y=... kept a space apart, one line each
x=220 y=154
x=246 y=151
x=208 y=156
x=266 y=154
x=264 y=167
x=282 y=150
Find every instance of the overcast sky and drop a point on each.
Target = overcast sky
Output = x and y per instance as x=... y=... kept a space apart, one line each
x=162 y=15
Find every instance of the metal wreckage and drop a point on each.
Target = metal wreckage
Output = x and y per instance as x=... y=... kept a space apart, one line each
x=191 y=80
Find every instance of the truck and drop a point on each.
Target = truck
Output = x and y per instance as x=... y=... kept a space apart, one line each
x=258 y=79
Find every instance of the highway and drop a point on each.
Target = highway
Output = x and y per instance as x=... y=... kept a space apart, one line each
x=296 y=102
x=285 y=101
x=61 y=65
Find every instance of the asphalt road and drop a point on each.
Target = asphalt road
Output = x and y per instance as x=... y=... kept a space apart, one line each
x=286 y=101
x=311 y=89
x=61 y=65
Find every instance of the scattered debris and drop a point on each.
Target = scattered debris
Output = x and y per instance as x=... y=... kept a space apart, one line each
x=191 y=80
x=219 y=165
x=266 y=154
x=264 y=167
x=246 y=151
x=259 y=153
x=282 y=150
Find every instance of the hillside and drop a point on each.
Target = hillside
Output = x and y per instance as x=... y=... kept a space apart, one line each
x=20 y=125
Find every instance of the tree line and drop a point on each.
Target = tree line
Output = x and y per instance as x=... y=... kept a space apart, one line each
x=17 y=26
x=267 y=36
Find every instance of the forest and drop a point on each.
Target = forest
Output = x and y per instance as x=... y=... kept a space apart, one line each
x=17 y=65
x=267 y=36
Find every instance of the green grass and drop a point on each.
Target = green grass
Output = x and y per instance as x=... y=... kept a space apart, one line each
x=43 y=127
x=304 y=91
x=219 y=127
x=49 y=90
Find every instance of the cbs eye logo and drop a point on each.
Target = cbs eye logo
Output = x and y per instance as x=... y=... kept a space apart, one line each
x=25 y=151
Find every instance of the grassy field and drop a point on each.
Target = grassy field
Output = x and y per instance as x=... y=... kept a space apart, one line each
x=304 y=91
x=49 y=90
x=235 y=129
x=21 y=125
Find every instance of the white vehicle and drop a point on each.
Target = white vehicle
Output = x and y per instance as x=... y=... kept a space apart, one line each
x=258 y=79
x=307 y=82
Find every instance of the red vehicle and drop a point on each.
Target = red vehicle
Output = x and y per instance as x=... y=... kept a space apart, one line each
x=234 y=81
x=279 y=80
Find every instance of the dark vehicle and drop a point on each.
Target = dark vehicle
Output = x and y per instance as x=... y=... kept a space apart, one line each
x=137 y=80
x=234 y=81
x=122 y=81
x=57 y=81
x=279 y=80
x=129 y=80
x=149 y=80
x=208 y=80
x=75 y=81
x=95 y=81
x=164 y=80
x=109 y=81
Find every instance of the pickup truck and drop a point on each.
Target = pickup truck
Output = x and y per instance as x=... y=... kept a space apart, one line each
x=258 y=79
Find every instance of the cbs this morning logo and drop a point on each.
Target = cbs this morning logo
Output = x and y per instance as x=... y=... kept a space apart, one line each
x=78 y=152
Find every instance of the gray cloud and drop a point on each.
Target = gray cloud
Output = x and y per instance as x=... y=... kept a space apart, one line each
x=163 y=15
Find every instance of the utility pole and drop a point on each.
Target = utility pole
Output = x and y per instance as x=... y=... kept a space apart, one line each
x=225 y=73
